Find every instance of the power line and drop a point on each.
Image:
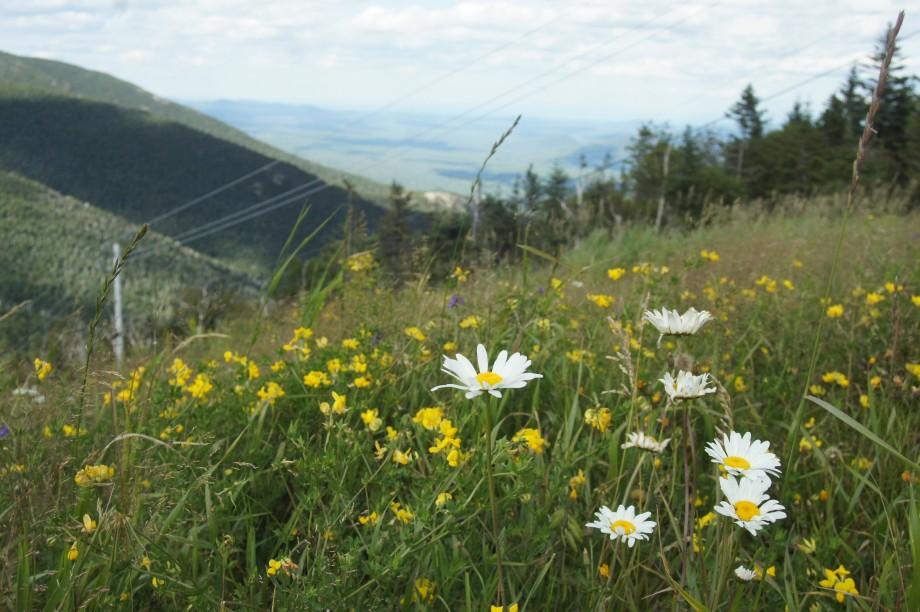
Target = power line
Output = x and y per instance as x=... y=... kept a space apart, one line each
x=211 y=193
x=254 y=210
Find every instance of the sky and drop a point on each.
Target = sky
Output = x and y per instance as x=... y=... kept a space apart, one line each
x=591 y=60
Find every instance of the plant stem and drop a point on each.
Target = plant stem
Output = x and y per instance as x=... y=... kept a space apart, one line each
x=493 y=504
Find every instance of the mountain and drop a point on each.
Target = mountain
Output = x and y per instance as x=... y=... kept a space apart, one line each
x=57 y=250
x=33 y=76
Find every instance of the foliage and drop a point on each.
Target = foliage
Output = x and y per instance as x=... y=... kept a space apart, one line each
x=226 y=490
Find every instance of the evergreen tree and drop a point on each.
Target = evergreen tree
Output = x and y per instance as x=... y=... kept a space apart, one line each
x=748 y=114
x=395 y=235
x=898 y=103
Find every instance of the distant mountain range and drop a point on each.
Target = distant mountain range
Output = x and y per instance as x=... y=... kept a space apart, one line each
x=429 y=151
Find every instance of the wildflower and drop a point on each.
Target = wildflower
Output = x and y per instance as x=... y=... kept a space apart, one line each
x=404 y=515
x=200 y=387
x=686 y=385
x=913 y=368
x=512 y=608
x=392 y=434
x=807 y=443
x=270 y=393
x=740 y=385
x=350 y=344
x=316 y=379
x=603 y=570
x=273 y=566
x=454 y=301
x=360 y=262
x=873 y=298
x=402 y=458
x=574 y=482
x=615 y=274
x=709 y=255
x=285 y=565
x=156 y=583
x=456 y=457
x=532 y=437
x=598 y=418
x=839 y=580
x=672 y=323
x=506 y=373
x=429 y=418
x=415 y=333
x=817 y=390
x=42 y=368
x=864 y=401
x=93 y=474
x=623 y=524
x=89 y=525
x=788 y=284
x=368 y=519
x=443 y=498
x=424 y=588
x=460 y=274
x=371 y=420
x=739 y=456
x=745 y=574
x=362 y=382
x=836 y=377
x=180 y=373
x=277 y=366
x=338 y=403
x=915 y=299
x=640 y=440
x=835 y=311
x=73 y=553
x=253 y=370
x=601 y=300
x=807 y=546
x=748 y=504
x=471 y=321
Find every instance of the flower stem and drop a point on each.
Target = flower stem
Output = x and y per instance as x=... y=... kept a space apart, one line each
x=493 y=504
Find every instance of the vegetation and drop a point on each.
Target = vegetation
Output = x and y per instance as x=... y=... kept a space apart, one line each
x=57 y=249
x=214 y=450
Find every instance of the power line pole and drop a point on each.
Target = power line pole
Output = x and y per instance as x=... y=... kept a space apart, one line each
x=118 y=340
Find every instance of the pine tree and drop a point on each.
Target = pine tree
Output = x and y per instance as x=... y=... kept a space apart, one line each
x=395 y=235
x=898 y=103
x=748 y=114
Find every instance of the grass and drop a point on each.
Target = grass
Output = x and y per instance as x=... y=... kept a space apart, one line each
x=223 y=498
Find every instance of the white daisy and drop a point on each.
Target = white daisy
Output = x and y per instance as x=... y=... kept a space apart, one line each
x=745 y=574
x=748 y=503
x=506 y=373
x=640 y=440
x=623 y=524
x=686 y=385
x=742 y=457
x=672 y=323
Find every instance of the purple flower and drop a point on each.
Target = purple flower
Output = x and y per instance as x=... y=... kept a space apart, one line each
x=4 y=431
x=454 y=301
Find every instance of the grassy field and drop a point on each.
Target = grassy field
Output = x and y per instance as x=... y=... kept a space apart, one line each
x=303 y=462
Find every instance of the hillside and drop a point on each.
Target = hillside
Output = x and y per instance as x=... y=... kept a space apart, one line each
x=32 y=76
x=138 y=166
x=56 y=251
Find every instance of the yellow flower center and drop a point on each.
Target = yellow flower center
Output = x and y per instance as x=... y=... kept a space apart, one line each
x=746 y=510
x=621 y=526
x=488 y=378
x=739 y=463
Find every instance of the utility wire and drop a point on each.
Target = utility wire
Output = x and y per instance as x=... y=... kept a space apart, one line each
x=271 y=204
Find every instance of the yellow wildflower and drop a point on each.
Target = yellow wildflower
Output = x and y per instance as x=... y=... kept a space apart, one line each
x=460 y=274
x=598 y=418
x=368 y=519
x=601 y=300
x=89 y=525
x=532 y=437
x=471 y=321
x=42 y=368
x=270 y=393
x=180 y=373
x=835 y=311
x=371 y=420
x=402 y=514
x=443 y=498
x=93 y=474
x=415 y=333
x=316 y=379
x=200 y=387
x=73 y=553
x=430 y=418
x=615 y=274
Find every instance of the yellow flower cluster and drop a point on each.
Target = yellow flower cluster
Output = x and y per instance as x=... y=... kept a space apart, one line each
x=180 y=373
x=460 y=274
x=616 y=274
x=470 y=322
x=839 y=580
x=598 y=418
x=532 y=437
x=402 y=514
x=94 y=474
x=270 y=393
x=429 y=418
x=835 y=311
x=42 y=368
x=360 y=262
x=285 y=565
x=371 y=420
x=709 y=255
x=448 y=443
x=601 y=300
x=316 y=379
x=574 y=482
x=415 y=333
x=339 y=405
x=200 y=387
x=836 y=377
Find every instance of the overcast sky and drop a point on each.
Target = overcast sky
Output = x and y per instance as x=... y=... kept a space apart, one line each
x=611 y=60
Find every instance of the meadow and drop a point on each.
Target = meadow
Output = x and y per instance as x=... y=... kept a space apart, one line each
x=300 y=460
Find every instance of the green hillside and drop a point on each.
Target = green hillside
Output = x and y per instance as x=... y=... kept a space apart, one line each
x=56 y=251
x=30 y=76
x=138 y=166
